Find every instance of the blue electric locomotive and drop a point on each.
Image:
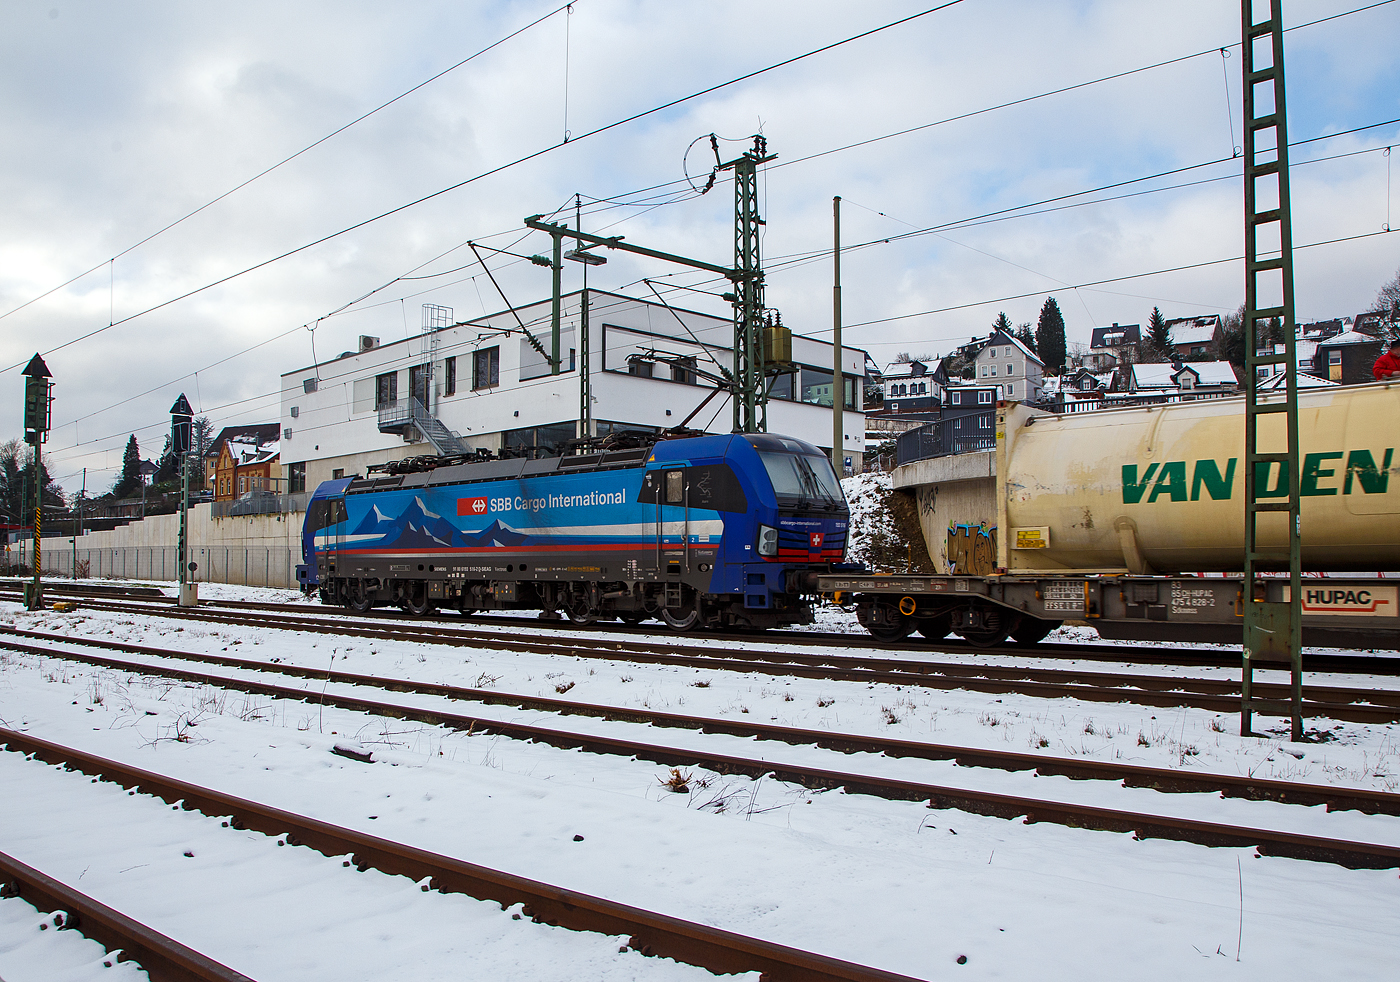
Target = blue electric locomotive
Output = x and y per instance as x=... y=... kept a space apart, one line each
x=711 y=530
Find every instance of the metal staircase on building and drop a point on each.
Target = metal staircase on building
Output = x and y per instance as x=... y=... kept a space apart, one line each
x=409 y=416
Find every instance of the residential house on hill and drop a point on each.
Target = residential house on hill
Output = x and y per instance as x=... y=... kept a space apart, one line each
x=1348 y=357
x=243 y=466
x=1201 y=377
x=1012 y=367
x=254 y=434
x=909 y=387
x=1108 y=345
x=1194 y=338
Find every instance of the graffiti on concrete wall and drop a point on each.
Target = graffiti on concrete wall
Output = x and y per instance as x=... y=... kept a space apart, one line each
x=971 y=549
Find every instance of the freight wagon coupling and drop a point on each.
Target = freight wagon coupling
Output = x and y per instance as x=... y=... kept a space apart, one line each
x=693 y=530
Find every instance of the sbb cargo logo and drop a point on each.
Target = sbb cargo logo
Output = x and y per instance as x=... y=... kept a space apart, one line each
x=471 y=506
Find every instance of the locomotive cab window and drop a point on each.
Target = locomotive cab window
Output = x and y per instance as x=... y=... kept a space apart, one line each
x=803 y=477
x=325 y=513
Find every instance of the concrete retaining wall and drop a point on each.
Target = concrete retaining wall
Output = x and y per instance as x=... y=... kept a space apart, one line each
x=256 y=550
x=957 y=508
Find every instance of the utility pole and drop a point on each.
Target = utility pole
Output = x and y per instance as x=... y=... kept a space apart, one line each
x=78 y=524
x=751 y=364
x=751 y=395
x=838 y=380
x=1272 y=623
x=37 y=416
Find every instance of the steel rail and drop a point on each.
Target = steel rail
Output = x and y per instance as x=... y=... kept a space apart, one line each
x=164 y=959
x=1133 y=775
x=1352 y=704
x=649 y=932
x=1342 y=852
x=1186 y=657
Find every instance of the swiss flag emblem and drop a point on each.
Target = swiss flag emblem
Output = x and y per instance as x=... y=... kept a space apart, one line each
x=815 y=538
x=471 y=506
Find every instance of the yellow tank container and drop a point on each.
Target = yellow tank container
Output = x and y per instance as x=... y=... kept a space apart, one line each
x=1160 y=489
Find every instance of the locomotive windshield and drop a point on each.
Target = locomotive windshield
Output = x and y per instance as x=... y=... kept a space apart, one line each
x=806 y=478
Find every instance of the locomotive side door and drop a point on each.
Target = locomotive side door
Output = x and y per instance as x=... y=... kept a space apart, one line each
x=672 y=519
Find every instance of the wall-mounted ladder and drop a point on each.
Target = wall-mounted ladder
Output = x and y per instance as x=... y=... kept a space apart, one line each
x=1272 y=627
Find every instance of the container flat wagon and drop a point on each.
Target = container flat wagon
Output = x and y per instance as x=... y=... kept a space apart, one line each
x=1132 y=520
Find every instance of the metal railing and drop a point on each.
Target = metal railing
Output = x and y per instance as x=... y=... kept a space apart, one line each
x=944 y=437
x=401 y=412
x=1120 y=400
x=260 y=503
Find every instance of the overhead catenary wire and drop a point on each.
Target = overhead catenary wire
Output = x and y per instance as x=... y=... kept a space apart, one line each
x=286 y=160
x=496 y=170
x=930 y=231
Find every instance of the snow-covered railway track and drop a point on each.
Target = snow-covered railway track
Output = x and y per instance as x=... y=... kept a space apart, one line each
x=792 y=641
x=1134 y=775
x=163 y=959
x=1355 y=704
x=970 y=799
x=648 y=932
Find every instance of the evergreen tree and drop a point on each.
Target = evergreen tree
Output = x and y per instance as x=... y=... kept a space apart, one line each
x=1050 y=337
x=1026 y=336
x=16 y=495
x=1388 y=299
x=1003 y=324
x=129 y=483
x=1158 y=335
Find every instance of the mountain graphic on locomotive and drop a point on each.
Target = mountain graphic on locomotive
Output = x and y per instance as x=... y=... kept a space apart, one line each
x=693 y=529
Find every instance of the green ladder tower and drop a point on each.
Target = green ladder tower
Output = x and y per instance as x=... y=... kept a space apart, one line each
x=1272 y=622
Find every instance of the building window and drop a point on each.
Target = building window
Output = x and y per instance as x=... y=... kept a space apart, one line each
x=984 y=371
x=386 y=390
x=641 y=369
x=1011 y=369
x=242 y=484
x=984 y=398
x=994 y=371
x=449 y=377
x=337 y=474
x=296 y=478
x=682 y=372
x=983 y=423
x=957 y=398
x=1010 y=390
x=310 y=385
x=486 y=368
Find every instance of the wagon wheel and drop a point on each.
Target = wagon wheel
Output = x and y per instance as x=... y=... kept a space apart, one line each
x=416 y=601
x=357 y=598
x=1032 y=630
x=936 y=628
x=684 y=617
x=578 y=611
x=997 y=625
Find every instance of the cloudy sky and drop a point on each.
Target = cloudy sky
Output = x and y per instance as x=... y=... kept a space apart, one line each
x=122 y=118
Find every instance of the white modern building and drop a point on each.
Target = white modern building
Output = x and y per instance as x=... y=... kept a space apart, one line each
x=486 y=384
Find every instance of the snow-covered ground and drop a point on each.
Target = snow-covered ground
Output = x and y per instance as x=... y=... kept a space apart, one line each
x=892 y=884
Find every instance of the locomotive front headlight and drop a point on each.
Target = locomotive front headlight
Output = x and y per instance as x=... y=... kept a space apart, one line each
x=767 y=540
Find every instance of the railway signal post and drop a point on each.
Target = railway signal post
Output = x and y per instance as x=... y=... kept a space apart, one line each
x=37 y=417
x=1272 y=630
x=180 y=425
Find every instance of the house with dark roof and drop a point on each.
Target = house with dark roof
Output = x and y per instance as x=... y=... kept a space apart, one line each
x=1107 y=345
x=1193 y=338
x=1012 y=367
x=1348 y=357
x=252 y=435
